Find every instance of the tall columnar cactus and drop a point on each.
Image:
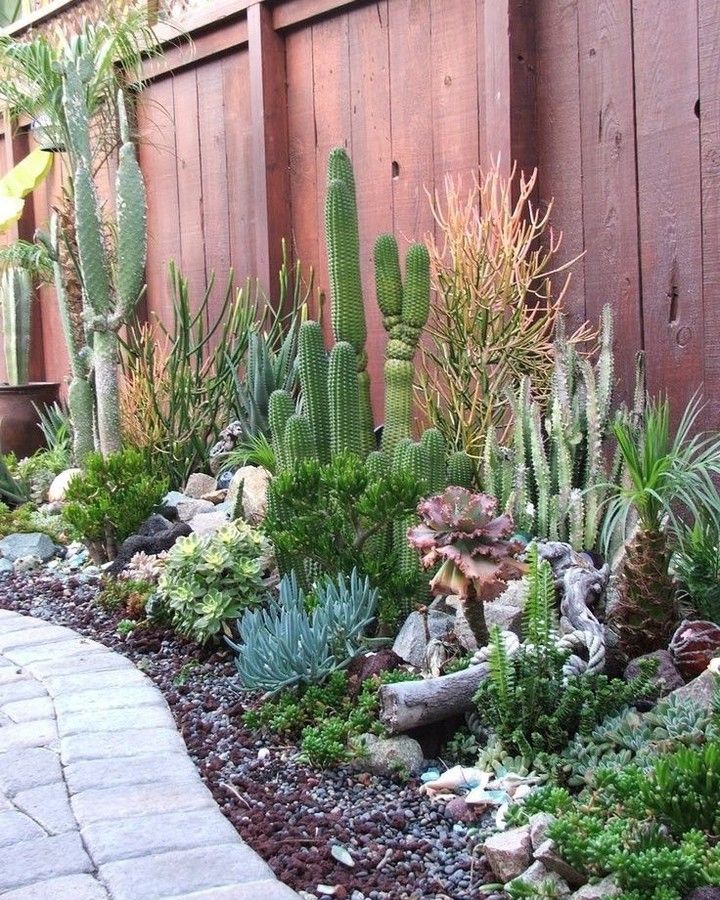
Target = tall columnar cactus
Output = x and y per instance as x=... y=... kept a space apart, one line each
x=110 y=291
x=405 y=310
x=343 y=250
x=313 y=371
x=15 y=299
x=344 y=402
x=551 y=473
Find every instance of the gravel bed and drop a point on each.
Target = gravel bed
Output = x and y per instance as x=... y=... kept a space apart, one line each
x=404 y=847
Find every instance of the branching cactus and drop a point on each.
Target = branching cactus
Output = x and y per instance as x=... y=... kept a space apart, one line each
x=15 y=299
x=405 y=310
x=550 y=475
x=111 y=288
x=343 y=250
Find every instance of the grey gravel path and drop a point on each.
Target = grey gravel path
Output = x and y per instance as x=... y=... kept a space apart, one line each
x=98 y=797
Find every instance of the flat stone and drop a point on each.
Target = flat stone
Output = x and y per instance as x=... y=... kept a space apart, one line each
x=539 y=824
x=198 y=484
x=183 y=830
x=187 y=508
x=411 y=642
x=548 y=856
x=700 y=690
x=105 y=773
x=41 y=733
x=537 y=876
x=22 y=687
x=267 y=889
x=209 y=522
x=17 y=622
x=51 y=652
x=172 y=498
x=396 y=755
x=21 y=770
x=94 y=681
x=182 y=872
x=41 y=859
x=29 y=637
x=127 y=801
x=11 y=674
x=599 y=890
x=94 y=658
x=69 y=887
x=509 y=853
x=666 y=677
x=34 y=543
x=121 y=697
x=29 y=710
x=128 y=743
x=114 y=720
x=49 y=805
x=16 y=827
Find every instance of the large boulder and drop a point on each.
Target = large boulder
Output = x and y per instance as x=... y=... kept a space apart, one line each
x=209 y=522
x=547 y=854
x=540 y=878
x=700 y=690
x=188 y=508
x=389 y=756
x=199 y=484
x=509 y=853
x=59 y=485
x=367 y=665
x=251 y=484
x=19 y=546
x=666 y=678
x=693 y=645
x=150 y=544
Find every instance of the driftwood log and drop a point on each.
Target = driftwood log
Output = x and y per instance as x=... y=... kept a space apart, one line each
x=410 y=704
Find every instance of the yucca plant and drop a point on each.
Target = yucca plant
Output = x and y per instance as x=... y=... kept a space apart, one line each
x=669 y=482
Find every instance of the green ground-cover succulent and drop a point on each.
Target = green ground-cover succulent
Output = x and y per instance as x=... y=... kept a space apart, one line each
x=208 y=581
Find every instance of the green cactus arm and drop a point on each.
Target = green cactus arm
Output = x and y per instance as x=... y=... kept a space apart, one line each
x=344 y=401
x=376 y=465
x=313 y=374
x=605 y=366
x=15 y=299
x=107 y=399
x=93 y=259
x=280 y=409
x=388 y=280
x=298 y=439
x=398 y=403
x=433 y=443
x=460 y=470
x=76 y=116
x=343 y=250
x=594 y=474
x=416 y=291
x=81 y=404
x=131 y=224
x=541 y=470
x=340 y=167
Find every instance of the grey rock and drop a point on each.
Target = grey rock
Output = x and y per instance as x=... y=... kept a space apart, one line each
x=699 y=690
x=43 y=858
x=89 y=722
x=17 y=736
x=253 y=481
x=59 y=485
x=188 y=508
x=126 y=801
x=411 y=642
x=29 y=710
x=5 y=565
x=27 y=564
x=49 y=806
x=209 y=522
x=546 y=854
x=539 y=824
x=20 y=688
x=509 y=853
x=666 y=679
x=605 y=888
x=507 y=618
x=224 y=479
x=198 y=484
x=172 y=498
x=132 y=741
x=704 y=893
x=227 y=441
x=154 y=524
x=16 y=546
x=389 y=756
x=89 y=774
x=182 y=872
x=28 y=637
x=105 y=698
x=539 y=877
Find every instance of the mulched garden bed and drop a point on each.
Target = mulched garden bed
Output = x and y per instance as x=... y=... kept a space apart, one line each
x=404 y=847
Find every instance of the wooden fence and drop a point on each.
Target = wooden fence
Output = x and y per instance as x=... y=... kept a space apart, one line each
x=616 y=102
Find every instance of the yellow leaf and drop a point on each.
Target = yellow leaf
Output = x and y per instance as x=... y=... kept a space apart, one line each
x=27 y=174
x=10 y=210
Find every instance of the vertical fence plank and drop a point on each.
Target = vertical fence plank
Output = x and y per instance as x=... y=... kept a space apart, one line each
x=610 y=222
x=268 y=106
x=666 y=78
x=709 y=49
x=558 y=138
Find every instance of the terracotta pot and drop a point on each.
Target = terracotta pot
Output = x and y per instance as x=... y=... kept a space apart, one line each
x=19 y=431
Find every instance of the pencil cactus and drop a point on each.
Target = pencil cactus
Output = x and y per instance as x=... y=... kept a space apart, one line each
x=313 y=370
x=110 y=290
x=405 y=308
x=15 y=300
x=343 y=250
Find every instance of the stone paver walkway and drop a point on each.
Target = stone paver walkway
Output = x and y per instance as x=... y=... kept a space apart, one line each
x=98 y=797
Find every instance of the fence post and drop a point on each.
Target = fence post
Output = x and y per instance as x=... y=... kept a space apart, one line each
x=17 y=146
x=271 y=176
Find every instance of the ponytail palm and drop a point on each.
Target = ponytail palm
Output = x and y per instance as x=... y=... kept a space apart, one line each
x=669 y=481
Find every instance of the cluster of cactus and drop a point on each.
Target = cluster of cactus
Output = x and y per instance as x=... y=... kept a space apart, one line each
x=112 y=282
x=551 y=473
x=15 y=298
